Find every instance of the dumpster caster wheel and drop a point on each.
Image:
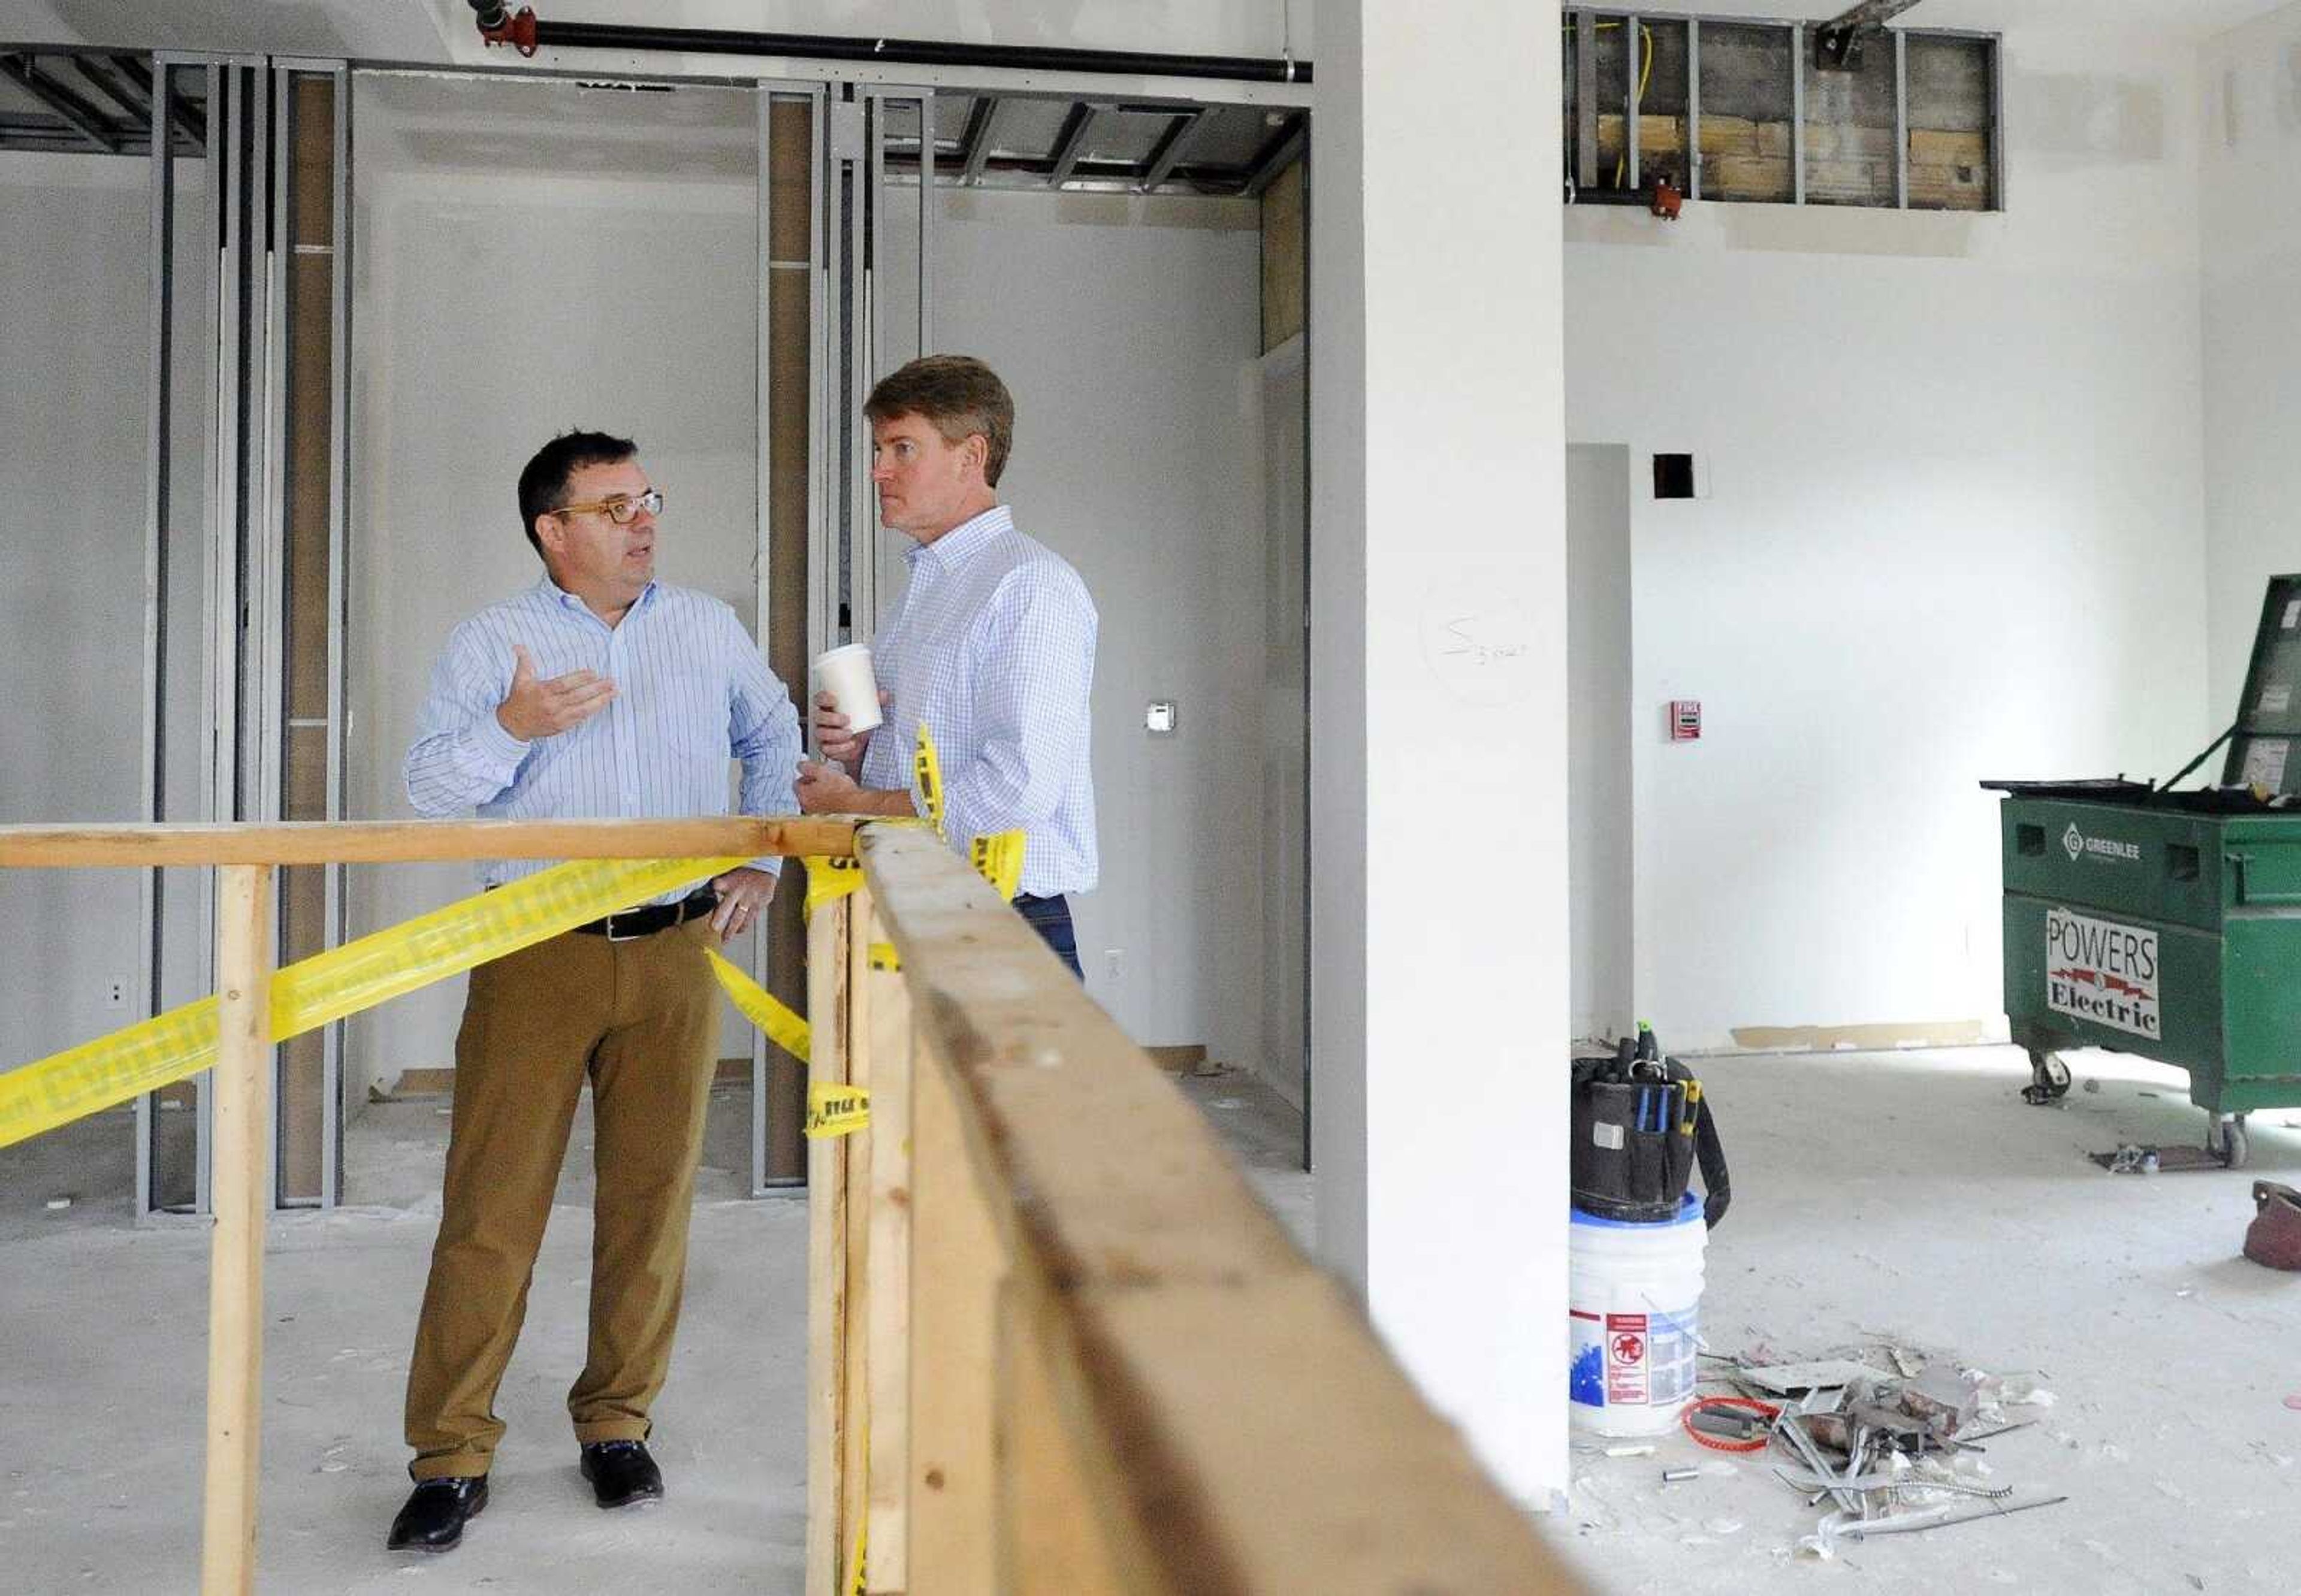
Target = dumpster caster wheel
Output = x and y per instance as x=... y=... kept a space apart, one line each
x=2225 y=1140
x=2049 y=1080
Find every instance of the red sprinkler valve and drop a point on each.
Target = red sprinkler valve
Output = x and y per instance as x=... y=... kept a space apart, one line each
x=517 y=31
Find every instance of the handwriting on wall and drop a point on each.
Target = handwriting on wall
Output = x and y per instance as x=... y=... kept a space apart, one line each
x=1479 y=646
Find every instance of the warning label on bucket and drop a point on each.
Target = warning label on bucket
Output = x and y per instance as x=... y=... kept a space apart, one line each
x=1626 y=1357
x=1632 y=1363
x=1648 y=1359
x=2099 y=971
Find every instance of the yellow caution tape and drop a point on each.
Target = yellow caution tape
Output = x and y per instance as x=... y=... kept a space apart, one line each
x=327 y=987
x=998 y=860
x=883 y=957
x=863 y=1524
x=835 y=1109
x=761 y=1006
x=829 y=880
x=929 y=770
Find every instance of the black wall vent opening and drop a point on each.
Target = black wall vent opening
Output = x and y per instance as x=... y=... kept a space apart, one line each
x=1673 y=476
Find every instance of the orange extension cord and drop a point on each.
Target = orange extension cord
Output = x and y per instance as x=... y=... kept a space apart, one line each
x=1765 y=1410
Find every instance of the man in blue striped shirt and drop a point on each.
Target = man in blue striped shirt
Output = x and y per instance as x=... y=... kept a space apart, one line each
x=598 y=691
x=993 y=648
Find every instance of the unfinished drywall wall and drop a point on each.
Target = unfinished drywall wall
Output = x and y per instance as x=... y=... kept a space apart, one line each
x=501 y=298
x=2252 y=80
x=1136 y=457
x=1128 y=332
x=1599 y=760
x=1280 y=392
x=1954 y=530
x=75 y=319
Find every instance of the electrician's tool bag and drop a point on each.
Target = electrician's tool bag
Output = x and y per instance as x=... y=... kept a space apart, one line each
x=1641 y=1123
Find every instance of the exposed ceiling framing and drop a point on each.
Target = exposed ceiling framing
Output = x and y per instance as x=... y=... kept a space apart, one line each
x=97 y=101
x=983 y=140
x=1837 y=44
x=89 y=100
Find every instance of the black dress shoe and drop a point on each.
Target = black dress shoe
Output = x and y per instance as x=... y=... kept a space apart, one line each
x=621 y=1472
x=434 y=1518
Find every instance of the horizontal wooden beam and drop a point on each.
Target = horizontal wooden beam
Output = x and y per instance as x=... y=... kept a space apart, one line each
x=402 y=841
x=1258 y=1438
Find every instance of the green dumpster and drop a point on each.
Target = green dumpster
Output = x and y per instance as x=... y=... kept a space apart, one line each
x=2167 y=922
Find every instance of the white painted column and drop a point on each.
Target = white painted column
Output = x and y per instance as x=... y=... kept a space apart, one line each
x=1438 y=712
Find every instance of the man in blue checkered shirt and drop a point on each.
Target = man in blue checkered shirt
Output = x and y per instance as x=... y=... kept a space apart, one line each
x=993 y=648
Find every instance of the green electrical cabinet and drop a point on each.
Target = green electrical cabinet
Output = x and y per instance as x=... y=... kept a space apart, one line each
x=2168 y=924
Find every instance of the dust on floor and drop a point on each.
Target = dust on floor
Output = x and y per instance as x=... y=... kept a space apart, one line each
x=1913 y=1198
x=104 y=1337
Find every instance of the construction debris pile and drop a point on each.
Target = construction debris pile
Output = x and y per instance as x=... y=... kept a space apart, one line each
x=1889 y=1440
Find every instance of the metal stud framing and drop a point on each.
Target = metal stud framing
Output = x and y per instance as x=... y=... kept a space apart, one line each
x=1803 y=37
x=769 y=93
x=1797 y=112
x=1901 y=123
x=1071 y=143
x=1168 y=154
x=1631 y=177
x=151 y=884
x=241 y=249
x=1693 y=108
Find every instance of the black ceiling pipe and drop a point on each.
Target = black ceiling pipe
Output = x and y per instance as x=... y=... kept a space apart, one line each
x=895 y=51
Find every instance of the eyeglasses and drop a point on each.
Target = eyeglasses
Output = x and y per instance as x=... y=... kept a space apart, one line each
x=623 y=509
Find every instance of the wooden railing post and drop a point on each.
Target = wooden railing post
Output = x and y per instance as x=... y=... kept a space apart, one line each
x=826 y=1295
x=242 y=1125
x=853 y=1154
x=885 y=1031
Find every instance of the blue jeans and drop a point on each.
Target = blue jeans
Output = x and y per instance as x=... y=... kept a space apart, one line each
x=1051 y=917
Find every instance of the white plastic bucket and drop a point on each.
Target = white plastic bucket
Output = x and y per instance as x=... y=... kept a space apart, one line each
x=1632 y=1304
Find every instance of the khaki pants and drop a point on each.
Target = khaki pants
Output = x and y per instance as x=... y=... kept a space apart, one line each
x=640 y=1019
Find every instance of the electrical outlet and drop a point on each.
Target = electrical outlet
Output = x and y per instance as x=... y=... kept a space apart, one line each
x=115 y=993
x=1114 y=963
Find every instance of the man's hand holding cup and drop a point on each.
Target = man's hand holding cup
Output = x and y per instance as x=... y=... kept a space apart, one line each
x=848 y=708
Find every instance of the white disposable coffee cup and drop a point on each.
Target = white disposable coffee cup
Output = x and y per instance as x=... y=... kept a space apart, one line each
x=846 y=675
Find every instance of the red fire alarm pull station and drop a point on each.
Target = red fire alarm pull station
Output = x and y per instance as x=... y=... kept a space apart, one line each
x=1686 y=720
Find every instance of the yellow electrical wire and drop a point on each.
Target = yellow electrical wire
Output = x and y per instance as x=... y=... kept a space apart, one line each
x=1622 y=164
x=1645 y=75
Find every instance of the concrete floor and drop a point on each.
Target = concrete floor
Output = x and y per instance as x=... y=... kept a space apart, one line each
x=1904 y=1197
x=1913 y=1198
x=107 y=1498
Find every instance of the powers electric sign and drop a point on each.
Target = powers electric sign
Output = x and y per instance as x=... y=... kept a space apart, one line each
x=2104 y=973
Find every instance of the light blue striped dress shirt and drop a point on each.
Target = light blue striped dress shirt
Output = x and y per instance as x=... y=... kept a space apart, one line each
x=993 y=648
x=691 y=691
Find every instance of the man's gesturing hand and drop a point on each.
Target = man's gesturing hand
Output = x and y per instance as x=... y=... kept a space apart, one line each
x=534 y=708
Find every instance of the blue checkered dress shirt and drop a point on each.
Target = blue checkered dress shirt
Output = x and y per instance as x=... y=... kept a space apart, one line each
x=993 y=648
x=692 y=692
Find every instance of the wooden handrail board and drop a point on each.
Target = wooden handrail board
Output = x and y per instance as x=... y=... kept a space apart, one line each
x=384 y=842
x=1274 y=1446
x=1084 y=1125
x=1268 y=1443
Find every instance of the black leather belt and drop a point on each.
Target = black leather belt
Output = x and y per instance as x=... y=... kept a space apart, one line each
x=654 y=917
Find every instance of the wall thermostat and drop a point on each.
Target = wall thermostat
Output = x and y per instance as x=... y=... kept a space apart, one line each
x=1158 y=720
